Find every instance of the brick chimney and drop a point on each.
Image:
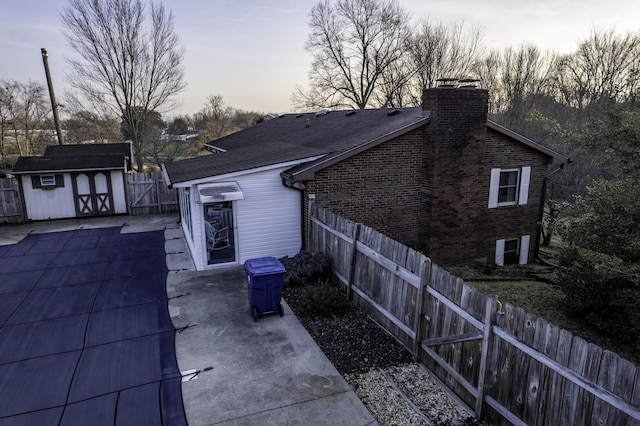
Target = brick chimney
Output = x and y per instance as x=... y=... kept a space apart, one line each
x=457 y=107
x=453 y=158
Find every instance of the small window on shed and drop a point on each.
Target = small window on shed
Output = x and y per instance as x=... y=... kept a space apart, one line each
x=47 y=180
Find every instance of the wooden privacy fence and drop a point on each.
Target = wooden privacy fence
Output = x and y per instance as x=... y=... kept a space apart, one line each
x=506 y=365
x=148 y=194
x=10 y=202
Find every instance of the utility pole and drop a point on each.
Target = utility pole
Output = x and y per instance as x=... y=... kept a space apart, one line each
x=54 y=104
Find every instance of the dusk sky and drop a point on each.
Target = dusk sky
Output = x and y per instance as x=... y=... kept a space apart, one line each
x=252 y=51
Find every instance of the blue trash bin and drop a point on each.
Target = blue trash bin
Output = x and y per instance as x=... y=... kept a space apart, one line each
x=265 y=276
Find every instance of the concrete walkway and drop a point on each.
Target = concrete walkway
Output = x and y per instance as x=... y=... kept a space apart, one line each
x=246 y=373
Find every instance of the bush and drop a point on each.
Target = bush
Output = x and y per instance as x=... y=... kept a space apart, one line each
x=306 y=267
x=604 y=290
x=324 y=298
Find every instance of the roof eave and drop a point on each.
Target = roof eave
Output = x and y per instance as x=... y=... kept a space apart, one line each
x=228 y=175
x=92 y=169
x=557 y=157
x=309 y=173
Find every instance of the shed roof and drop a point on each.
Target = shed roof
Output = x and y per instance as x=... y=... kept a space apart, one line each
x=66 y=158
x=121 y=148
x=26 y=165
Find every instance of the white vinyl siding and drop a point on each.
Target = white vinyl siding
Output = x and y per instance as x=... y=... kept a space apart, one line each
x=521 y=188
x=55 y=203
x=523 y=250
x=119 y=192
x=268 y=221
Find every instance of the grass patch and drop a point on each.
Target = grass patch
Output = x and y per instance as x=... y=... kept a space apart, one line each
x=544 y=300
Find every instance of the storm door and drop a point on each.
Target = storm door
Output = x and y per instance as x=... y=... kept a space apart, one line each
x=219 y=232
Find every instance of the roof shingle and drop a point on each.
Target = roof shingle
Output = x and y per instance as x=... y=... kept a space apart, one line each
x=294 y=137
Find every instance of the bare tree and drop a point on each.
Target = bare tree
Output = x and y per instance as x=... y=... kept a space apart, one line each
x=22 y=111
x=5 y=119
x=438 y=50
x=603 y=70
x=215 y=118
x=131 y=65
x=352 y=42
x=83 y=126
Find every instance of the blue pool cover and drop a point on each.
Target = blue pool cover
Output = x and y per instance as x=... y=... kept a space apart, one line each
x=85 y=332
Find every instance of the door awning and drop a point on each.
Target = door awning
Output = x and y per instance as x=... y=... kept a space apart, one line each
x=218 y=192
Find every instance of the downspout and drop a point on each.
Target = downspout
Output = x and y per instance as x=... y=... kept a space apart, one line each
x=300 y=187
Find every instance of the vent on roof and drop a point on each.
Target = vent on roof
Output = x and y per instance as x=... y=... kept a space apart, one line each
x=299 y=115
x=394 y=112
x=323 y=111
x=350 y=113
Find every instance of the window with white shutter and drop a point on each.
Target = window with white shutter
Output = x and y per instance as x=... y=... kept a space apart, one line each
x=509 y=187
x=512 y=251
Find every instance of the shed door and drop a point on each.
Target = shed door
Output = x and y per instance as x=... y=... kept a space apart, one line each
x=93 y=194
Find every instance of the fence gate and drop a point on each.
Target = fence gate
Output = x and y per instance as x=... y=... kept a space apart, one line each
x=10 y=203
x=149 y=194
x=456 y=336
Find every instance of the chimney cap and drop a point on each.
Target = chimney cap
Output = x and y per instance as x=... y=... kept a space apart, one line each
x=468 y=82
x=447 y=81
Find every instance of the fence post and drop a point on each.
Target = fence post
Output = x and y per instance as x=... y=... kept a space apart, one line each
x=418 y=319
x=489 y=314
x=352 y=261
x=156 y=182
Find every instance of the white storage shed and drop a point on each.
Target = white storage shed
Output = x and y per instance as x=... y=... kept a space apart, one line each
x=75 y=181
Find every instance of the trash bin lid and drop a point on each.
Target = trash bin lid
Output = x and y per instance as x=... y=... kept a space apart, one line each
x=264 y=266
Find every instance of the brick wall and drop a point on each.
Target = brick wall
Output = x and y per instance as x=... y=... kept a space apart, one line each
x=463 y=152
x=382 y=187
x=468 y=229
x=430 y=187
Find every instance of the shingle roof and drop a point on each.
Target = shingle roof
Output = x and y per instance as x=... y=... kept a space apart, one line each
x=66 y=163
x=60 y=158
x=315 y=140
x=296 y=137
x=122 y=148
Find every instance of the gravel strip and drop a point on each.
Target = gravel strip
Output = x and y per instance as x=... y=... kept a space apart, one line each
x=359 y=348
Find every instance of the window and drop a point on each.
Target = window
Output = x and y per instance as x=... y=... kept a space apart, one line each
x=47 y=180
x=512 y=251
x=509 y=187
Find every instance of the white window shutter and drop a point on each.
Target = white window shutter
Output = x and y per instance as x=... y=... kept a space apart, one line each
x=525 y=176
x=494 y=188
x=524 y=249
x=499 y=253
